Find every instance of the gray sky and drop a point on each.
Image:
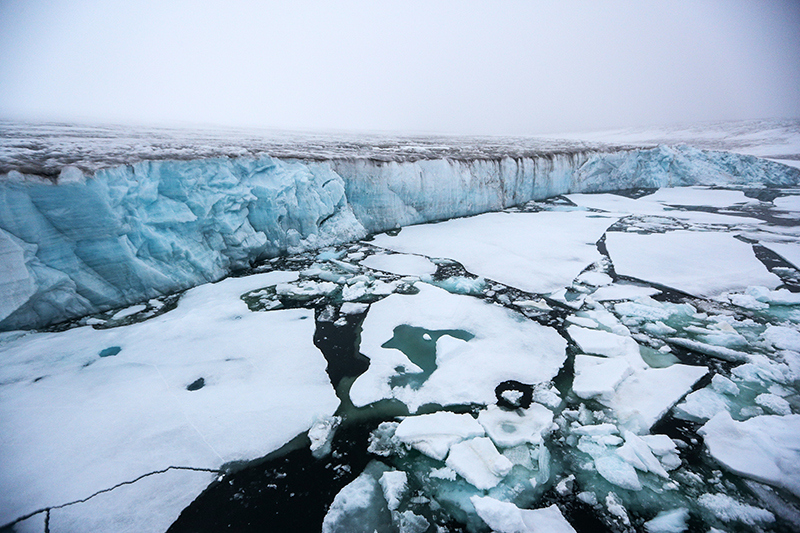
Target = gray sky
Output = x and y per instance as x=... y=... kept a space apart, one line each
x=450 y=66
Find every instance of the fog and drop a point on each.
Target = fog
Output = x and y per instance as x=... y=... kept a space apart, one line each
x=504 y=67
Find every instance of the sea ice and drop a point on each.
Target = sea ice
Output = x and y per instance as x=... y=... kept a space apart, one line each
x=673 y=521
x=517 y=249
x=682 y=260
x=764 y=448
x=512 y=428
x=505 y=517
x=593 y=341
x=202 y=385
x=400 y=264
x=619 y=291
x=644 y=397
x=598 y=376
x=729 y=510
x=789 y=251
x=360 y=507
x=505 y=346
x=435 y=433
x=478 y=461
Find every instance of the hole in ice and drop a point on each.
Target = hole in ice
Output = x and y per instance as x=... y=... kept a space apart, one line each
x=197 y=384
x=111 y=350
x=513 y=395
x=419 y=345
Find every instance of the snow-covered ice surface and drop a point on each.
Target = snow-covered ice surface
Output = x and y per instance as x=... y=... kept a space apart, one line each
x=592 y=362
x=203 y=385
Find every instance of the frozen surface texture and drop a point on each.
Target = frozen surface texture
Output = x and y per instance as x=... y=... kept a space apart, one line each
x=205 y=384
x=91 y=219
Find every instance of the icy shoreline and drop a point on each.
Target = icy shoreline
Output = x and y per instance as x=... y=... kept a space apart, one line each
x=124 y=234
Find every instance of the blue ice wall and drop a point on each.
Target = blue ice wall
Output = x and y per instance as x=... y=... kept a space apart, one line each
x=133 y=232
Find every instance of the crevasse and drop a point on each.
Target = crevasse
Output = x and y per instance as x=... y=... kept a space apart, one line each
x=132 y=232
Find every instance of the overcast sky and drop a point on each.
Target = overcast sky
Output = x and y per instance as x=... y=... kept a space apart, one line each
x=493 y=67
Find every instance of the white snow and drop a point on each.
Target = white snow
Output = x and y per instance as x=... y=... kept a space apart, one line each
x=400 y=264
x=505 y=346
x=505 y=517
x=92 y=422
x=618 y=471
x=360 y=506
x=683 y=260
x=516 y=249
x=479 y=462
x=395 y=486
x=764 y=448
x=433 y=434
x=789 y=251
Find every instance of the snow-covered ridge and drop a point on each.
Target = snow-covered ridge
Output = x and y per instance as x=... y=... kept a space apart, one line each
x=119 y=235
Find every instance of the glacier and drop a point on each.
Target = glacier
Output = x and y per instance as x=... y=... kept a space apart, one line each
x=92 y=237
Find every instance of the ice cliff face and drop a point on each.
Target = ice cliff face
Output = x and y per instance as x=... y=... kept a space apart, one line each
x=132 y=232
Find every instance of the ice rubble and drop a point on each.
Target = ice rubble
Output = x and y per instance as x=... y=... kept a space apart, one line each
x=503 y=346
x=129 y=232
x=505 y=517
x=76 y=422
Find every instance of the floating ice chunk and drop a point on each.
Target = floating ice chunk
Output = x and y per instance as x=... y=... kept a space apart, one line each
x=636 y=452
x=615 y=507
x=360 y=506
x=128 y=311
x=729 y=510
x=652 y=310
x=618 y=471
x=598 y=376
x=779 y=297
x=395 y=486
x=764 y=448
x=719 y=352
x=596 y=430
x=504 y=347
x=774 y=403
x=479 y=462
x=608 y=344
x=658 y=328
x=699 y=196
x=595 y=279
x=701 y=405
x=321 y=435
x=660 y=444
x=410 y=522
x=400 y=264
x=516 y=249
x=512 y=428
x=783 y=338
x=505 y=517
x=305 y=289
x=644 y=397
x=352 y=308
x=673 y=521
x=724 y=385
x=460 y=284
x=382 y=441
x=620 y=291
x=435 y=433
x=683 y=259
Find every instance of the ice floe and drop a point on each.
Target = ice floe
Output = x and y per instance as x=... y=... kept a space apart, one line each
x=764 y=448
x=478 y=346
x=682 y=260
x=401 y=264
x=505 y=517
x=205 y=384
x=517 y=249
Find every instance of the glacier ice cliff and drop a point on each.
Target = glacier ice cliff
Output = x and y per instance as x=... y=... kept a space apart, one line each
x=95 y=240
